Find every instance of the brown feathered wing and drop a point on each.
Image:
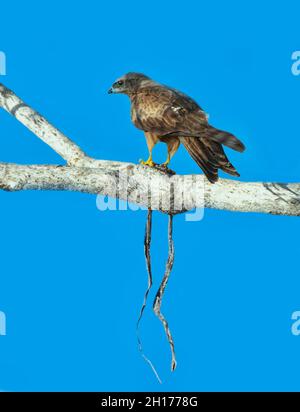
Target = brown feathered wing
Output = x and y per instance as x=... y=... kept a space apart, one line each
x=168 y=112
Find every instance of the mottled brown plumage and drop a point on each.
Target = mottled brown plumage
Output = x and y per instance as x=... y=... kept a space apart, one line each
x=168 y=115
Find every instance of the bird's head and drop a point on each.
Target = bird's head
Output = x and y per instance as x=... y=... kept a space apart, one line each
x=129 y=83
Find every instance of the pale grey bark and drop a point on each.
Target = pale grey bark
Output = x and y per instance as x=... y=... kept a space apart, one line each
x=137 y=184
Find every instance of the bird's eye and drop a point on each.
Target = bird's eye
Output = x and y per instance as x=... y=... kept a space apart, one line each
x=120 y=83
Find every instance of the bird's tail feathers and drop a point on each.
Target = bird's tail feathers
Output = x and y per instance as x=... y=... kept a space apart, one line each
x=225 y=138
x=209 y=156
x=213 y=134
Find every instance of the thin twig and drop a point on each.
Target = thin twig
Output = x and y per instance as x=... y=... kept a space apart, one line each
x=147 y=244
x=158 y=298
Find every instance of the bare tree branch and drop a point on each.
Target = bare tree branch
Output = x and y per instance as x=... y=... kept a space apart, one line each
x=67 y=149
x=141 y=185
x=274 y=198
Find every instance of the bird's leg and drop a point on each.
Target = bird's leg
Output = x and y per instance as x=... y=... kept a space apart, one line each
x=165 y=164
x=151 y=140
x=173 y=144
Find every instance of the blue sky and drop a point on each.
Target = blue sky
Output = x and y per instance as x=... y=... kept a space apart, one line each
x=72 y=278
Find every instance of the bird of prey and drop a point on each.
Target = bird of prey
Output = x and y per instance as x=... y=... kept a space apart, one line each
x=170 y=116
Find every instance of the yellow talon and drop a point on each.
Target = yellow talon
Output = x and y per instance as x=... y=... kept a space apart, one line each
x=148 y=162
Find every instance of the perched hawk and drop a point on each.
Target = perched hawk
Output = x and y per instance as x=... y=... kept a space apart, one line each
x=168 y=115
